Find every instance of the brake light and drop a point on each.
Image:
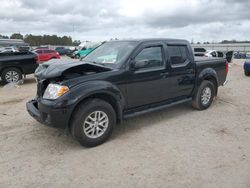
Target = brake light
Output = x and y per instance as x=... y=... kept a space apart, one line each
x=226 y=67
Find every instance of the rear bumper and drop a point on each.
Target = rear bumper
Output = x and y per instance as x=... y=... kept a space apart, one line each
x=47 y=115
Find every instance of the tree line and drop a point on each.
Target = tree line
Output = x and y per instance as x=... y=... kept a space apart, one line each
x=38 y=40
x=223 y=42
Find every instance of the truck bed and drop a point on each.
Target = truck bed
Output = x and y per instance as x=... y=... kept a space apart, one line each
x=216 y=64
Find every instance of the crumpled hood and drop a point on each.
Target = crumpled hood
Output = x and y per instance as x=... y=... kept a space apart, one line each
x=57 y=68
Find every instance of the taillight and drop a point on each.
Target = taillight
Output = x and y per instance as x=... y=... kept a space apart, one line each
x=226 y=67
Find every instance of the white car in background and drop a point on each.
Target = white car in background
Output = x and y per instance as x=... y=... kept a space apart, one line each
x=214 y=53
x=8 y=49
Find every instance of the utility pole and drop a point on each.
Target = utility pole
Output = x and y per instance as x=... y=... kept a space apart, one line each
x=73 y=32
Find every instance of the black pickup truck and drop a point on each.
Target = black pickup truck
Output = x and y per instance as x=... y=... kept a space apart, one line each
x=122 y=79
x=15 y=65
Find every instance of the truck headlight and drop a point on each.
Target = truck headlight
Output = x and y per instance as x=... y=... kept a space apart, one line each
x=53 y=91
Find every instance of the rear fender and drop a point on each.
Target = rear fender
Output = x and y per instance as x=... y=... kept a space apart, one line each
x=206 y=74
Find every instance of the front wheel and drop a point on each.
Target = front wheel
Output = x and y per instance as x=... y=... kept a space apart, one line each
x=93 y=122
x=204 y=95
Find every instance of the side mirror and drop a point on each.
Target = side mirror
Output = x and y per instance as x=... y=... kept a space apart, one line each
x=139 y=64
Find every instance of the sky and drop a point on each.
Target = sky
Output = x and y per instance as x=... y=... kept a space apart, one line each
x=197 y=20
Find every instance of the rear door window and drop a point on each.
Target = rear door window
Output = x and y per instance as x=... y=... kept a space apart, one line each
x=178 y=54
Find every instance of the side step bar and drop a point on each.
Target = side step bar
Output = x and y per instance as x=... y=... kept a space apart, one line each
x=152 y=109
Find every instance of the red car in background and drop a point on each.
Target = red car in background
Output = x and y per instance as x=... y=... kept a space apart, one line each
x=47 y=54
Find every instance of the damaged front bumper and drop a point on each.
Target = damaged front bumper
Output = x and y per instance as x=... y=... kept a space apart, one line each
x=45 y=113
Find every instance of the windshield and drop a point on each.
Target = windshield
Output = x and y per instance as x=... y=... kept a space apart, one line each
x=110 y=53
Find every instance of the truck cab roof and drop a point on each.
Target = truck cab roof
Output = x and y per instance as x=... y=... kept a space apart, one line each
x=167 y=40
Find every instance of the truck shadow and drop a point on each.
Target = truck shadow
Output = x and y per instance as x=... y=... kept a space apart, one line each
x=121 y=131
x=150 y=119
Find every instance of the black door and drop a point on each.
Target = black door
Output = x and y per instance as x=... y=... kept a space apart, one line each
x=148 y=78
x=182 y=71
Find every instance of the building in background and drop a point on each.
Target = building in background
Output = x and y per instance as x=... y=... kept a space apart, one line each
x=12 y=42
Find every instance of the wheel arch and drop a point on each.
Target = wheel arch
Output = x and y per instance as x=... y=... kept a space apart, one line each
x=7 y=67
x=105 y=96
x=214 y=81
x=208 y=74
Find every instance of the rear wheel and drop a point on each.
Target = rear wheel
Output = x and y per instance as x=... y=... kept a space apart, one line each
x=11 y=75
x=93 y=122
x=204 y=96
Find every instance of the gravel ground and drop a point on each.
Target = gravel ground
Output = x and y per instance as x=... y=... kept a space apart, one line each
x=176 y=147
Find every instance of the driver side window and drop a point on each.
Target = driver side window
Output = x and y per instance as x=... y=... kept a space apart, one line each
x=151 y=57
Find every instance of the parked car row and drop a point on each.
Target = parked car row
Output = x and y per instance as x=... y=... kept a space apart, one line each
x=202 y=52
x=241 y=55
x=14 y=65
x=14 y=49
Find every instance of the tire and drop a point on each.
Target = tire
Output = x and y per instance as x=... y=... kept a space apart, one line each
x=83 y=119
x=204 y=95
x=11 y=75
x=247 y=73
x=77 y=56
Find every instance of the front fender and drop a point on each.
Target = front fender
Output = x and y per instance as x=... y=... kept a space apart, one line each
x=86 y=89
x=90 y=88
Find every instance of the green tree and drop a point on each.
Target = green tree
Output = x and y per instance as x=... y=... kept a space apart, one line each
x=76 y=42
x=16 y=36
x=37 y=40
x=3 y=37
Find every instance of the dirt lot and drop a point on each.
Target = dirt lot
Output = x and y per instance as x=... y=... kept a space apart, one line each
x=176 y=147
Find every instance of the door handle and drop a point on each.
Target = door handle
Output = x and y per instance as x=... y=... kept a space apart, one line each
x=190 y=71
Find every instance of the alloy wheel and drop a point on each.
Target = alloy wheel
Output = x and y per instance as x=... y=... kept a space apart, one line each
x=206 y=95
x=95 y=124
